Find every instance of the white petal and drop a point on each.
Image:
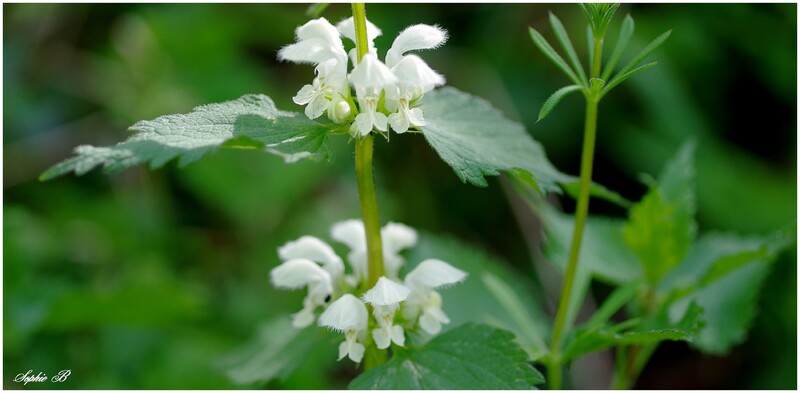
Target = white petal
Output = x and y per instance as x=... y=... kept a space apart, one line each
x=364 y=123
x=298 y=273
x=356 y=352
x=317 y=106
x=398 y=335
x=344 y=348
x=303 y=318
x=415 y=117
x=313 y=51
x=381 y=337
x=398 y=122
x=392 y=263
x=348 y=30
x=398 y=237
x=381 y=121
x=430 y=324
x=371 y=74
x=433 y=273
x=346 y=313
x=305 y=95
x=358 y=262
x=312 y=248
x=391 y=97
x=415 y=37
x=319 y=28
x=386 y=292
x=350 y=233
x=413 y=71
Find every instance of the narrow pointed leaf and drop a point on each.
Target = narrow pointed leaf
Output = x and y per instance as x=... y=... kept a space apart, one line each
x=625 y=34
x=555 y=98
x=623 y=77
x=563 y=38
x=653 y=45
x=251 y=121
x=551 y=54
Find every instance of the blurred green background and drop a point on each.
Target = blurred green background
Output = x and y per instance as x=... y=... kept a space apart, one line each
x=145 y=279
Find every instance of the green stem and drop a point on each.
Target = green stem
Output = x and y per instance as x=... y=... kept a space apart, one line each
x=360 y=22
x=582 y=210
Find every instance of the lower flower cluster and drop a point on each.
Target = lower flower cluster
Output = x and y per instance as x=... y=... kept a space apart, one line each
x=397 y=305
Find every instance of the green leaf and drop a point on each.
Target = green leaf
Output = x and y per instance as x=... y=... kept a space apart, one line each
x=315 y=10
x=274 y=353
x=661 y=226
x=723 y=273
x=623 y=77
x=551 y=54
x=555 y=98
x=251 y=121
x=563 y=38
x=625 y=34
x=472 y=356
x=493 y=293
x=593 y=338
x=646 y=51
x=615 y=301
x=476 y=140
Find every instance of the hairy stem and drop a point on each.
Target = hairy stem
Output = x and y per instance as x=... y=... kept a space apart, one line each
x=582 y=210
x=366 y=193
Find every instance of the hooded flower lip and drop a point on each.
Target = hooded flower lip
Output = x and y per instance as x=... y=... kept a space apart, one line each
x=385 y=298
x=347 y=315
x=299 y=273
x=416 y=37
x=424 y=302
x=348 y=30
x=396 y=237
x=310 y=247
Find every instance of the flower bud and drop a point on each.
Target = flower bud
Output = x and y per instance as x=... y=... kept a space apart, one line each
x=339 y=110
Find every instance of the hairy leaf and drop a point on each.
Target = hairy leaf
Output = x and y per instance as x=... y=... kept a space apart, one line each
x=493 y=293
x=555 y=98
x=472 y=356
x=251 y=121
x=476 y=140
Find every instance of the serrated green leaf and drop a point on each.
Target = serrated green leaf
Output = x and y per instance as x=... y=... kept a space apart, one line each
x=251 y=121
x=566 y=43
x=625 y=34
x=493 y=293
x=551 y=54
x=646 y=51
x=555 y=98
x=723 y=273
x=476 y=140
x=274 y=353
x=593 y=338
x=661 y=226
x=472 y=356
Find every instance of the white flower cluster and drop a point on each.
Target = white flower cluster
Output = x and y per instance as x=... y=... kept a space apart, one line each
x=397 y=304
x=387 y=93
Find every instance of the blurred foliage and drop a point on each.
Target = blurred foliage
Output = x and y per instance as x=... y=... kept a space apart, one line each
x=148 y=279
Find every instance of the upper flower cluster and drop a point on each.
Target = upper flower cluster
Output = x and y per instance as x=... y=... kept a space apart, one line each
x=396 y=304
x=387 y=93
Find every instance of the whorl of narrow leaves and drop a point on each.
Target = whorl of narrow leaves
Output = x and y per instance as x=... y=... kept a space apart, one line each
x=251 y=121
x=472 y=356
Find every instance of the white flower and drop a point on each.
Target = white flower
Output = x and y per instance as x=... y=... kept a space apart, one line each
x=416 y=37
x=318 y=43
x=423 y=301
x=300 y=273
x=347 y=315
x=310 y=247
x=369 y=78
x=348 y=30
x=395 y=238
x=385 y=297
